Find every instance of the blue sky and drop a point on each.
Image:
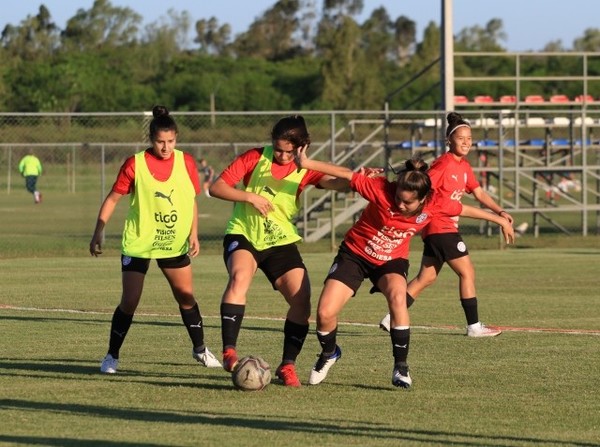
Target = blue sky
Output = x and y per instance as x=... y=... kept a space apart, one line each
x=529 y=24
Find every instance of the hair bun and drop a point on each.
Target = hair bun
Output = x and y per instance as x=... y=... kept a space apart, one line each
x=159 y=111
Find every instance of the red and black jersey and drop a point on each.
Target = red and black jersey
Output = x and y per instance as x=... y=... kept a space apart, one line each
x=382 y=233
x=450 y=178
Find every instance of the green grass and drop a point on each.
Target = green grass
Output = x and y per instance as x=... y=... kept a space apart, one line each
x=524 y=388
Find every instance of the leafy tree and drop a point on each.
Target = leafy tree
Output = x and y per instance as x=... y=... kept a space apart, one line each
x=477 y=38
x=590 y=41
x=405 y=31
x=213 y=39
x=101 y=26
x=271 y=36
x=36 y=37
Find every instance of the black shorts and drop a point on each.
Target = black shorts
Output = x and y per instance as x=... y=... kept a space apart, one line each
x=274 y=261
x=140 y=265
x=350 y=269
x=445 y=247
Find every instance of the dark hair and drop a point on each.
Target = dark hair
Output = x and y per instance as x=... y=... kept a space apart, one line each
x=454 y=120
x=414 y=177
x=162 y=121
x=293 y=129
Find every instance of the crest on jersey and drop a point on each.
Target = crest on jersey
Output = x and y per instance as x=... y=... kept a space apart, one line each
x=422 y=218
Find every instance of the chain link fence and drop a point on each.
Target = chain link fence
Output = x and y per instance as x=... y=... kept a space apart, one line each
x=81 y=155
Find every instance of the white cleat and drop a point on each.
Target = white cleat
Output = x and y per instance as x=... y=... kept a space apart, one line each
x=480 y=330
x=401 y=376
x=109 y=364
x=321 y=368
x=385 y=323
x=207 y=358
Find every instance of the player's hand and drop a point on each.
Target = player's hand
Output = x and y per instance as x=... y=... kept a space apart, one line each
x=194 y=246
x=370 y=172
x=261 y=204
x=95 y=247
x=509 y=233
x=300 y=156
x=507 y=217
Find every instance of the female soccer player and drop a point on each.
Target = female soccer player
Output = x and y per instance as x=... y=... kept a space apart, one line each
x=376 y=247
x=452 y=176
x=262 y=234
x=162 y=224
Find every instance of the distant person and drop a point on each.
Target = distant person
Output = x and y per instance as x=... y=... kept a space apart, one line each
x=208 y=174
x=452 y=177
x=162 y=224
x=30 y=167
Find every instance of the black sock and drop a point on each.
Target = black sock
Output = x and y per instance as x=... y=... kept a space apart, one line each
x=469 y=305
x=121 y=322
x=294 y=335
x=231 y=322
x=409 y=300
x=193 y=323
x=328 y=341
x=400 y=341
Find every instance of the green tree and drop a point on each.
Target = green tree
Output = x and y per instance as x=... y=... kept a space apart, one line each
x=476 y=38
x=590 y=41
x=101 y=26
x=36 y=37
x=271 y=36
x=213 y=39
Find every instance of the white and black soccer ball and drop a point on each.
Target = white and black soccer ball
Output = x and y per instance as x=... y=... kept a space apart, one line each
x=251 y=373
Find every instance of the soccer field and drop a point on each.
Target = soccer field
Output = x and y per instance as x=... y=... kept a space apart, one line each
x=536 y=384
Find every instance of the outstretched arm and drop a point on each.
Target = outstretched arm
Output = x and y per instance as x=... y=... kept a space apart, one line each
x=485 y=199
x=302 y=161
x=477 y=213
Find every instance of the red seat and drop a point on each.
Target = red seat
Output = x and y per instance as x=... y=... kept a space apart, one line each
x=508 y=98
x=586 y=98
x=559 y=98
x=461 y=99
x=534 y=98
x=483 y=99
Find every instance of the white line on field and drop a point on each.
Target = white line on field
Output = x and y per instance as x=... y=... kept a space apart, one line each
x=346 y=323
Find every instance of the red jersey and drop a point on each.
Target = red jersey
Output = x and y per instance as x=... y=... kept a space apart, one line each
x=382 y=233
x=159 y=168
x=451 y=179
x=241 y=169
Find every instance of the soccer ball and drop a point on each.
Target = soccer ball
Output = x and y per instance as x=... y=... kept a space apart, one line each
x=251 y=373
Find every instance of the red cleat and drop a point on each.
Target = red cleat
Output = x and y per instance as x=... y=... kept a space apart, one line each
x=287 y=374
x=230 y=359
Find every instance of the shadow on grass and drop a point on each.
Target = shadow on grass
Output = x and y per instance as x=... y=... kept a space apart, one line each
x=331 y=427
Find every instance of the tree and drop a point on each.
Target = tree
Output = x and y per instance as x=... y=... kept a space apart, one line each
x=101 y=26
x=36 y=37
x=213 y=39
x=590 y=41
x=477 y=38
x=271 y=36
x=405 y=31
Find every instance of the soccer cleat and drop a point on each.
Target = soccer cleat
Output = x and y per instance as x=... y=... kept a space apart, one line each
x=230 y=359
x=401 y=376
x=480 y=330
x=324 y=363
x=109 y=364
x=206 y=358
x=287 y=374
x=385 y=323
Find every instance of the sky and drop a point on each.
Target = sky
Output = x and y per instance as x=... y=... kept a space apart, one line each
x=529 y=24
